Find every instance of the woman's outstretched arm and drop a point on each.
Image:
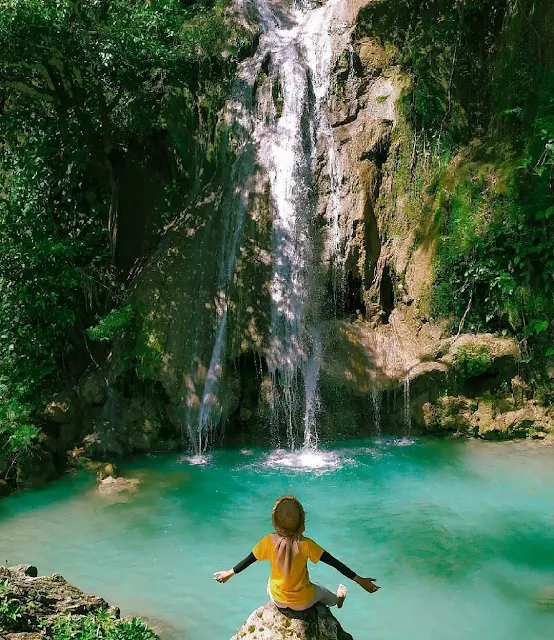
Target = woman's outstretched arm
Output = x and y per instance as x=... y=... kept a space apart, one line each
x=223 y=576
x=365 y=583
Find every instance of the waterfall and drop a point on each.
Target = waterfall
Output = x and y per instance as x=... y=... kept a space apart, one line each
x=240 y=122
x=311 y=391
x=296 y=47
x=300 y=46
x=377 y=400
x=232 y=230
x=407 y=407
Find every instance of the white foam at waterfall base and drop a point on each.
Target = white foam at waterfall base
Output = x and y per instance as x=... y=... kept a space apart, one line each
x=196 y=460
x=307 y=460
x=404 y=442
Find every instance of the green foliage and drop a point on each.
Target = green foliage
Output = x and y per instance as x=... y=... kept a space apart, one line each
x=12 y=612
x=83 y=87
x=473 y=157
x=113 y=325
x=98 y=626
x=17 y=614
x=18 y=436
x=148 y=354
x=472 y=361
x=496 y=231
x=445 y=47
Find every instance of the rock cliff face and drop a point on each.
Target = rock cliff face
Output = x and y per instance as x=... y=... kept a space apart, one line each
x=270 y=623
x=233 y=332
x=355 y=277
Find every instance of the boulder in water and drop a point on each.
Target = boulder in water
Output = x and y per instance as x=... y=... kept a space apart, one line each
x=111 y=486
x=270 y=623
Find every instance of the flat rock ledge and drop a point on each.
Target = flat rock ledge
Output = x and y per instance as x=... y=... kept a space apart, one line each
x=40 y=599
x=270 y=623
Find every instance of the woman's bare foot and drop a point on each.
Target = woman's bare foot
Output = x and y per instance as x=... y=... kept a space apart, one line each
x=341 y=595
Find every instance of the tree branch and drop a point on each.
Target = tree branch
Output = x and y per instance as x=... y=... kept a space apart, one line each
x=25 y=88
x=115 y=100
x=462 y=321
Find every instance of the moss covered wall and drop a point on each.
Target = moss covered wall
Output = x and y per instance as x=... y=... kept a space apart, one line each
x=467 y=204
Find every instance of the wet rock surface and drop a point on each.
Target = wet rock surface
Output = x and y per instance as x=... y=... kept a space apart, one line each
x=111 y=486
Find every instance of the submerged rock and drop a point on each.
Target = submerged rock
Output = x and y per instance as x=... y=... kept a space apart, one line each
x=112 y=486
x=545 y=599
x=270 y=623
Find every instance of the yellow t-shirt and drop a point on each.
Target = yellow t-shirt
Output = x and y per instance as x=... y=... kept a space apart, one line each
x=296 y=588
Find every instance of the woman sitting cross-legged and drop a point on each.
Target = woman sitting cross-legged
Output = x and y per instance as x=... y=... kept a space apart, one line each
x=288 y=552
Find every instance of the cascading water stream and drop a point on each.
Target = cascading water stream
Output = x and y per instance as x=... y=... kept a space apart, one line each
x=240 y=122
x=407 y=407
x=298 y=43
x=377 y=401
x=301 y=51
x=310 y=390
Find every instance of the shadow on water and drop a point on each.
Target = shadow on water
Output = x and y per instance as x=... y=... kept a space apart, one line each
x=434 y=540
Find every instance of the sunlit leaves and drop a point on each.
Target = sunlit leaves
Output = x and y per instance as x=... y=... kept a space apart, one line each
x=80 y=84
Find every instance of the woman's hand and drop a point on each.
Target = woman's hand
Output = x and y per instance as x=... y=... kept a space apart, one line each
x=223 y=576
x=367 y=583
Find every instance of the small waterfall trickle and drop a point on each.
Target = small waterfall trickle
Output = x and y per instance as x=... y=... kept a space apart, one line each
x=404 y=357
x=240 y=124
x=311 y=390
x=235 y=211
x=376 y=401
x=407 y=407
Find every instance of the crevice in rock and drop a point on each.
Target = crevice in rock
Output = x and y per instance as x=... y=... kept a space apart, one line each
x=386 y=294
x=372 y=240
x=261 y=77
x=353 y=303
x=248 y=369
x=379 y=155
x=278 y=98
